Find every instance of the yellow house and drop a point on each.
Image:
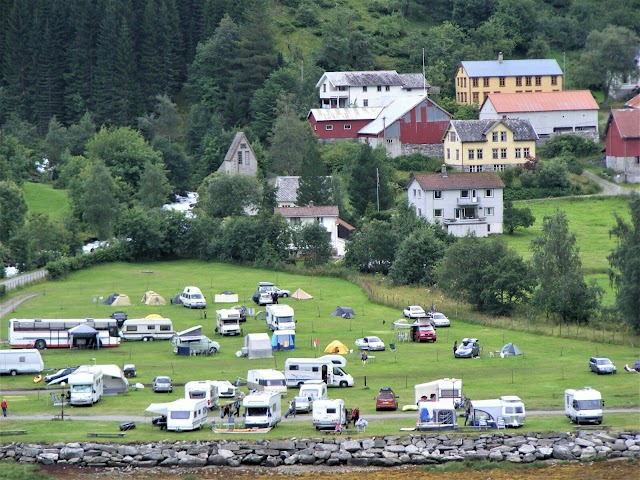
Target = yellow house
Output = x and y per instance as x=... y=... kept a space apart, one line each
x=489 y=145
x=476 y=80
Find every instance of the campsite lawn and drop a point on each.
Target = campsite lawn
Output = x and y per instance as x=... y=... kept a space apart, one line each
x=43 y=198
x=539 y=377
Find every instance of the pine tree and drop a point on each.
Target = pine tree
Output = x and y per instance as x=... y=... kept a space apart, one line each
x=106 y=95
x=128 y=103
x=314 y=186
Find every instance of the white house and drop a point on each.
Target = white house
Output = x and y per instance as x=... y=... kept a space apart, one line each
x=240 y=158
x=326 y=216
x=368 y=89
x=462 y=203
x=550 y=113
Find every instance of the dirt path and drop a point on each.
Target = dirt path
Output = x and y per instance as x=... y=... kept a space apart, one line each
x=10 y=305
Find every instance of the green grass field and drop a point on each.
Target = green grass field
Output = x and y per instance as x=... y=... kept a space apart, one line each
x=539 y=377
x=43 y=198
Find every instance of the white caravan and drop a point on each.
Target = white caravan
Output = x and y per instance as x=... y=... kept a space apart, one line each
x=328 y=413
x=510 y=408
x=202 y=390
x=280 y=317
x=24 y=360
x=182 y=415
x=513 y=410
x=228 y=321
x=266 y=379
x=583 y=406
x=262 y=409
x=192 y=297
x=85 y=387
x=224 y=388
x=443 y=390
x=147 y=329
x=327 y=369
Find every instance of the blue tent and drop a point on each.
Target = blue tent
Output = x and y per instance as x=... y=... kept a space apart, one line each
x=283 y=340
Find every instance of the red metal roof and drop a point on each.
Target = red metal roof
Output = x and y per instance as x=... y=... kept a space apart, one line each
x=455 y=181
x=634 y=102
x=292 y=212
x=628 y=122
x=345 y=224
x=542 y=101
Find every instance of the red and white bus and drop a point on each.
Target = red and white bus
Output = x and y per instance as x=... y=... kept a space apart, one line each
x=44 y=333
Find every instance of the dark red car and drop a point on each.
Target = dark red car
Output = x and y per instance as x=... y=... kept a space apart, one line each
x=423 y=333
x=386 y=399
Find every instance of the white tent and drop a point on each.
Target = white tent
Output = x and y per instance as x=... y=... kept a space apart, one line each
x=300 y=294
x=257 y=345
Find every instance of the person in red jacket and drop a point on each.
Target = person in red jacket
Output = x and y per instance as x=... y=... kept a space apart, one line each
x=4 y=407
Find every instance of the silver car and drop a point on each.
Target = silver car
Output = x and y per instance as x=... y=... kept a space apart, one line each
x=438 y=319
x=601 y=365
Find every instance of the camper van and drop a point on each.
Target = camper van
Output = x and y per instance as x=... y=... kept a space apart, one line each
x=327 y=369
x=85 y=387
x=280 y=317
x=25 y=360
x=262 y=409
x=510 y=408
x=192 y=342
x=267 y=380
x=224 y=388
x=147 y=329
x=583 y=406
x=192 y=297
x=186 y=414
x=443 y=390
x=202 y=390
x=328 y=413
x=228 y=321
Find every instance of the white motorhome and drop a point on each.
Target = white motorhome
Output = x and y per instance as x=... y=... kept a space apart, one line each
x=328 y=413
x=224 y=388
x=192 y=297
x=280 y=317
x=443 y=390
x=436 y=416
x=328 y=369
x=262 y=409
x=583 y=406
x=228 y=321
x=266 y=379
x=22 y=360
x=186 y=414
x=85 y=387
x=510 y=408
x=202 y=390
x=147 y=329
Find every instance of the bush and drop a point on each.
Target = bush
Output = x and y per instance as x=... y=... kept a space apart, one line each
x=3 y=290
x=568 y=145
x=60 y=268
x=416 y=162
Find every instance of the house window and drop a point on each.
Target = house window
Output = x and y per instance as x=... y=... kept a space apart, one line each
x=239 y=158
x=364 y=89
x=365 y=103
x=527 y=81
x=518 y=153
x=452 y=137
x=471 y=152
x=437 y=213
x=324 y=87
x=494 y=153
x=437 y=194
x=328 y=127
x=554 y=80
x=488 y=193
x=503 y=136
x=379 y=88
x=247 y=157
x=479 y=154
x=474 y=82
x=489 y=211
x=448 y=154
x=476 y=96
x=538 y=80
x=347 y=126
x=525 y=152
x=518 y=81
x=342 y=89
x=414 y=193
x=464 y=193
x=419 y=193
x=457 y=154
x=503 y=153
x=387 y=88
x=498 y=168
x=485 y=95
x=475 y=168
x=465 y=96
x=494 y=136
x=419 y=212
x=502 y=81
x=485 y=82
x=243 y=146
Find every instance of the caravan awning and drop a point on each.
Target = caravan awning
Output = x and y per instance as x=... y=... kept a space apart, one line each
x=159 y=408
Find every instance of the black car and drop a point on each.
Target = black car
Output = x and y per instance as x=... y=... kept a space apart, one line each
x=243 y=312
x=160 y=421
x=119 y=317
x=59 y=374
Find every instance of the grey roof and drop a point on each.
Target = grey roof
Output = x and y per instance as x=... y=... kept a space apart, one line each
x=287 y=189
x=512 y=68
x=392 y=112
x=476 y=130
x=360 y=79
x=240 y=137
x=414 y=80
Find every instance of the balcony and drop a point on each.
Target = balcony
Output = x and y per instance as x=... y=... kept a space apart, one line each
x=448 y=221
x=467 y=201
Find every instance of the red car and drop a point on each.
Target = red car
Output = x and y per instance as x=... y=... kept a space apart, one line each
x=423 y=333
x=386 y=399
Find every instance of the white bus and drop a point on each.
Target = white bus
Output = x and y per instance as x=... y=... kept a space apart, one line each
x=55 y=333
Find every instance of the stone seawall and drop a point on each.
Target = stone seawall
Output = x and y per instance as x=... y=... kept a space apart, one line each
x=332 y=450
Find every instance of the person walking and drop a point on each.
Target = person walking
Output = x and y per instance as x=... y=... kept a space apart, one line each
x=236 y=406
x=455 y=347
x=364 y=357
x=4 y=407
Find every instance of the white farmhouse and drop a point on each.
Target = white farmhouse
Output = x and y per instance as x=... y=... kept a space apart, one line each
x=462 y=203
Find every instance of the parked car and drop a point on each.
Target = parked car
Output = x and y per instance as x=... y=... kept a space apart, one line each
x=270 y=288
x=423 y=333
x=162 y=384
x=601 y=365
x=264 y=298
x=414 y=311
x=370 y=343
x=438 y=319
x=304 y=404
x=59 y=374
x=243 y=312
x=160 y=421
x=386 y=399
x=469 y=348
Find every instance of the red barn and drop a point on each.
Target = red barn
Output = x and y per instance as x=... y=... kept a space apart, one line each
x=341 y=123
x=622 y=138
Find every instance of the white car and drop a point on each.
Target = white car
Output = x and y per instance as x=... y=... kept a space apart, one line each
x=439 y=319
x=370 y=343
x=414 y=311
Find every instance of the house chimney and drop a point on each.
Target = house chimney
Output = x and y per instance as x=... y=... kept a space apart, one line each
x=443 y=170
x=500 y=57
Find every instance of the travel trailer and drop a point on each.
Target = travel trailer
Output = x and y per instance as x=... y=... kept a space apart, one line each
x=202 y=390
x=192 y=297
x=85 y=387
x=327 y=369
x=262 y=409
x=435 y=415
x=147 y=329
x=280 y=317
x=224 y=388
x=583 y=406
x=510 y=408
x=445 y=390
x=267 y=380
x=182 y=415
x=328 y=413
x=25 y=360
x=513 y=411
x=228 y=321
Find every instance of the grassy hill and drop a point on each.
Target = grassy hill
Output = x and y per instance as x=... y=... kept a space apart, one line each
x=43 y=198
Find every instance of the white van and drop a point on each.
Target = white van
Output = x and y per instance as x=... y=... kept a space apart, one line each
x=228 y=321
x=328 y=413
x=583 y=406
x=22 y=360
x=266 y=379
x=192 y=297
x=262 y=409
x=280 y=317
x=147 y=329
x=327 y=369
x=85 y=386
x=186 y=414
x=202 y=390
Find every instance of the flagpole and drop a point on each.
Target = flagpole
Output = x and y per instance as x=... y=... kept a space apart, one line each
x=378 y=189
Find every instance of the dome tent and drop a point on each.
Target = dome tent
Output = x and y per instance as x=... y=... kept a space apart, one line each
x=336 y=347
x=300 y=294
x=510 y=350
